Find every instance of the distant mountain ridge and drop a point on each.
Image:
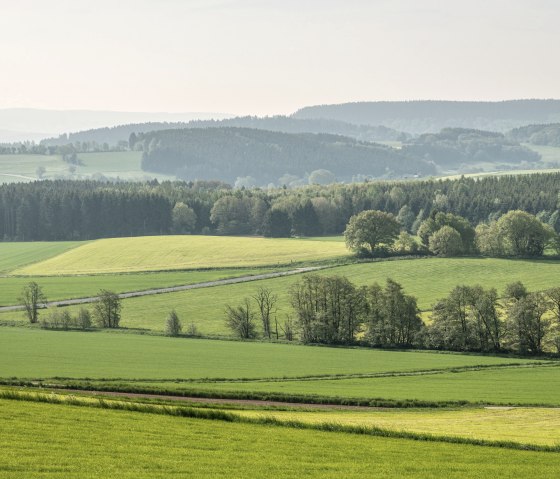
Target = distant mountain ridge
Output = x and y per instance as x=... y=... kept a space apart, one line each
x=284 y=124
x=26 y=121
x=429 y=116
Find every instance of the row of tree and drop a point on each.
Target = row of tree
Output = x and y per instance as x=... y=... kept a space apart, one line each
x=332 y=310
x=68 y=210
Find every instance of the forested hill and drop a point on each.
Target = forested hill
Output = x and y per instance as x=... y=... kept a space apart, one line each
x=459 y=148
x=112 y=136
x=270 y=157
x=547 y=135
x=429 y=116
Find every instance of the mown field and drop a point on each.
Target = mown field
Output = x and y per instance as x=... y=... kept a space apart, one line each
x=17 y=255
x=49 y=440
x=157 y=253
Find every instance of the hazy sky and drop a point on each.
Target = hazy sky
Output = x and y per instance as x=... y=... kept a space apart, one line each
x=273 y=56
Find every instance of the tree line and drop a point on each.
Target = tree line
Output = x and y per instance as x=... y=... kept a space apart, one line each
x=332 y=310
x=67 y=210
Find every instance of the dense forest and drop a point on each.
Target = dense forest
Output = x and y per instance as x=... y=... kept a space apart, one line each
x=419 y=117
x=270 y=157
x=460 y=148
x=115 y=135
x=66 y=210
x=547 y=135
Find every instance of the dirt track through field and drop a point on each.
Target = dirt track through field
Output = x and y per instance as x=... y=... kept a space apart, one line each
x=173 y=289
x=224 y=401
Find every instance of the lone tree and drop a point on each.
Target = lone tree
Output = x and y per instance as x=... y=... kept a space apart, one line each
x=173 y=326
x=371 y=228
x=107 y=309
x=266 y=302
x=241 y=320
x=32 y=298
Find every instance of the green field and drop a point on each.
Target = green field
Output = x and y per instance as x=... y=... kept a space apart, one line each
x=534 y=385
x=17 y=255
x=205 y=307
x=44 y=440
x=37 y=353
x=64 y=287
x=122 y=164
x=157 y=253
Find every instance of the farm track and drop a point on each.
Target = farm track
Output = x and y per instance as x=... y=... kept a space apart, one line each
x=173 y=289
x=225 y=401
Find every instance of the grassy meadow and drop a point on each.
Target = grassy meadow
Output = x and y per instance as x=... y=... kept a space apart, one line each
x=35 y=353
x=17 y=255
x=205 y=307
x=122 y=164
x=69 y=440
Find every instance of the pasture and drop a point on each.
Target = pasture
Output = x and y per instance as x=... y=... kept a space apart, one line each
x=68 y=440
x=428 y=279
x=35 y=353
x=114 y=164
x=17 y=255
x=538 y=385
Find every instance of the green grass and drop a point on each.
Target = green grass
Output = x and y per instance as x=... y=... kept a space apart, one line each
x=123 y=164
x=521 y=425
x=535 y=385
x=64 y=287
x=34 y=353
x=17 y=255
x=428 y=279
x=40 y=440
x=157 y=253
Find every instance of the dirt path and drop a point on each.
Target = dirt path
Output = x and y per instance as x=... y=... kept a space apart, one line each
x=173 y=289
x=245 y=402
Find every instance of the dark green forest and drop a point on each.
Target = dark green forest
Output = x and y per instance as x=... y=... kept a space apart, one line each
x=229 y=153
x=68 y=210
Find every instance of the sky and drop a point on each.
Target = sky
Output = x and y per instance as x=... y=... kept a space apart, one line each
x=272 y=56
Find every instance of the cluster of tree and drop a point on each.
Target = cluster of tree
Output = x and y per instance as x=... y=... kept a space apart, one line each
x=474 y=319
x=231 y=153
x=106 y=310
x=419 y=117
x=548 y=135
x=457 y=148
x=261 y=308
x=66 y=210
x=332 y=310
x=517 y=233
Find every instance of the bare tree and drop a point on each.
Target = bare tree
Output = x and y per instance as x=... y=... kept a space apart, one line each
x=241 y=320
x=288 y=328
x=266 y=302
x=32 y=298
x=107 y=309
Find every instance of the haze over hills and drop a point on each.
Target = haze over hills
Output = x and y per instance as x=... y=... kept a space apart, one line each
x=429 y=116
x=283 y=124
x=20 y=124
